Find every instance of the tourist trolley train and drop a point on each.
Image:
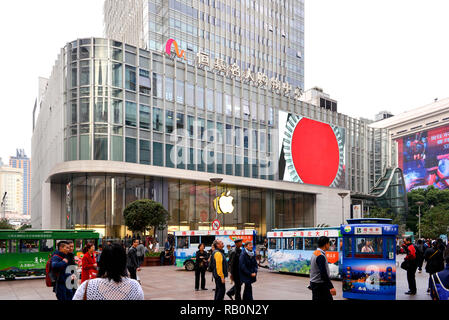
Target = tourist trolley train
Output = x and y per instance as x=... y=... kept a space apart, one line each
x=369 y=259
x=290 y=250
x=25 y=253
x=186 y=243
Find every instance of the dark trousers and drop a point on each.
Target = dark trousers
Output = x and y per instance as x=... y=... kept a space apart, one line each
x=132 y=273
x=320 y=292
x=62 y=293
x=200 y=273
x=411 y=277
x=220 y=289
x=248 y=292
x=236 y=289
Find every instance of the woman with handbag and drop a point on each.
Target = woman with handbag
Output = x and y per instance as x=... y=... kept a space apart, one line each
x=434 y=261
x=89 y=263
x=112 y=282
x=201 y=263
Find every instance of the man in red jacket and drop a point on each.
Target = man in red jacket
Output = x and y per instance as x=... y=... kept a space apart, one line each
x=412 y=265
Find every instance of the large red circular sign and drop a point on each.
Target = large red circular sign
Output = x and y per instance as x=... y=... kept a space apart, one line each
x=315 y=152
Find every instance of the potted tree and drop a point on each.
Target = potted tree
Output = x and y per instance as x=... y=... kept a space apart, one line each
x=142 y=215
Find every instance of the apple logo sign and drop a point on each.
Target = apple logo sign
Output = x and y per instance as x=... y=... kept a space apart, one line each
x=224 y=203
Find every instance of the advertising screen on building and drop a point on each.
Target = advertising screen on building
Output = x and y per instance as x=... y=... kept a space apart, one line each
x=424 y=159
x=311 y=152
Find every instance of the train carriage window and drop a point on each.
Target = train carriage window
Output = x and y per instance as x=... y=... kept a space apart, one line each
x=194 y=240
x=299 y=243
x=47 y=245
x=348 y=247
x=12 y=246
x=279 y=243
x=29 y=246
x=207 y=240
x=333 y=244
x=369 y=247
x=289 y=244
x=310 y=243
x=272 y=243
x=391 y=244
x=78 y=245
x=2 y=246
x=182 y=243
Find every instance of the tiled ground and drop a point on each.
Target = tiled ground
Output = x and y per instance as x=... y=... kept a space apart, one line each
x=171 y=283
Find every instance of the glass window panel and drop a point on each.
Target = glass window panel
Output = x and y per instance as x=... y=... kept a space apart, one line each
x=130 y=78
x=169 y=156
x=101 y=52
x=117 y=54
x=101 y=148
x=145 y=156
x=117 y=148
x=169 y=121
x=199 y=97
x=84 y=110
x=47 y=245
x=310 y=243
x=131 y=150
x=157 y=120
x=101 y=110
x=144 y=119
x=238 y=136
x=228 y=103
x=131 y=114
x=157 y=86
x=180 y=91
x=117 y=110
x=84 y=73
x=219 y=102
x=85 y=52
x=190 y=124
x=180 y=122
x=29 y=246
x=190 y=94
x=368 y=247
x=130 y=58
x=299 y=243
x=210 y=100
x=158 y=155
x=237 y=107
x=169 y=89
x=117 y=75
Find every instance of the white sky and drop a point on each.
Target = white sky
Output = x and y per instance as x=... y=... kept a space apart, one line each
x=369 y=55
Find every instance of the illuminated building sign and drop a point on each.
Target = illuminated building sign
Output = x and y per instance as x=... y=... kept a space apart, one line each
x=233 y=71
x=223 y=203
x=424 y=159
x=311 y=152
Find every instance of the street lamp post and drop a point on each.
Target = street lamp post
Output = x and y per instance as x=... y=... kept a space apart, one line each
x=343 y=195
x=216 y=182
x=419 y=203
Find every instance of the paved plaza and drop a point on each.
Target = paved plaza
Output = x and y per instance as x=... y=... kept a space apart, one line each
x=171 y=283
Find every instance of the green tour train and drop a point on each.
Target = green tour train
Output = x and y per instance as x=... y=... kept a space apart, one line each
x=25 y=253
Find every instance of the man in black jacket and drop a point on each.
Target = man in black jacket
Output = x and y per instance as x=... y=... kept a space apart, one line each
x=234 y=258
x=133 y=262
x=248 y=270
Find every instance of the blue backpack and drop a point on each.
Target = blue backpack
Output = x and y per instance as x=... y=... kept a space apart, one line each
x=441 y=292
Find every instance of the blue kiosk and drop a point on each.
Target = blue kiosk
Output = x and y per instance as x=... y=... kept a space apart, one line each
x=369 y=259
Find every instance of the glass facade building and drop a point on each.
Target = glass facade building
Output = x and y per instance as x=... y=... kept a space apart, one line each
x=127 y=123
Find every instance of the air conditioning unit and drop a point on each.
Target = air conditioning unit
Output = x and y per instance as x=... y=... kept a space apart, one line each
x=299 y=54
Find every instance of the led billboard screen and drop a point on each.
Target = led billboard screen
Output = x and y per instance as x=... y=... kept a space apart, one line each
x=424 y=158
x=311 y=152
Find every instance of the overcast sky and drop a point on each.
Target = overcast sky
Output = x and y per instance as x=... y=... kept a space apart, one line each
x=368 y=55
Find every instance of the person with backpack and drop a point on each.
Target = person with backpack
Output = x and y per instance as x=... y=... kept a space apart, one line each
x=410 y=264
x=219 y=267
x=59 y=263
x=419 y=248
x=234 y=262
x=439 y=286
x=248 y=270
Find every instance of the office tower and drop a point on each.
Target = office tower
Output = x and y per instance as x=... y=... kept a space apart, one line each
x=21 y=161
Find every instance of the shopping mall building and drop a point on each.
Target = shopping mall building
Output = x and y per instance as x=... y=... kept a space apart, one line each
x=115 y=123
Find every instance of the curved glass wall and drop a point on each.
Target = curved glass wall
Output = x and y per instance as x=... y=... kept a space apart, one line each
x=97 y=202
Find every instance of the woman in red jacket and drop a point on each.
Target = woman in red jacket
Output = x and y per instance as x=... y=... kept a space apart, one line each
x=89 y=263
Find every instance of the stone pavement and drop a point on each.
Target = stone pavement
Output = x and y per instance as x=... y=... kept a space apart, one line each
x=171 y=283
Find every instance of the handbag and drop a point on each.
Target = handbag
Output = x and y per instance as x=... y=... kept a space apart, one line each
x=405 y=264
x=85 y=291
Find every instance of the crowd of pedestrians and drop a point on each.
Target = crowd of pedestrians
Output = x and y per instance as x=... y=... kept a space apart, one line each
x=107 y=274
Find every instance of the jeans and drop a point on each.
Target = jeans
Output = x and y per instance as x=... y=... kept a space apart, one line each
x=220 y=289
x=62 y=293
x=200 y=273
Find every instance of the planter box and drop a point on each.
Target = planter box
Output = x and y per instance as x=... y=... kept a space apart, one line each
x=151 y=262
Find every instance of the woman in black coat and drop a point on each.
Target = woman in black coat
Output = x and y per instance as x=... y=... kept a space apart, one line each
x=248 y=270
x=201 y=263
x=434 y=260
